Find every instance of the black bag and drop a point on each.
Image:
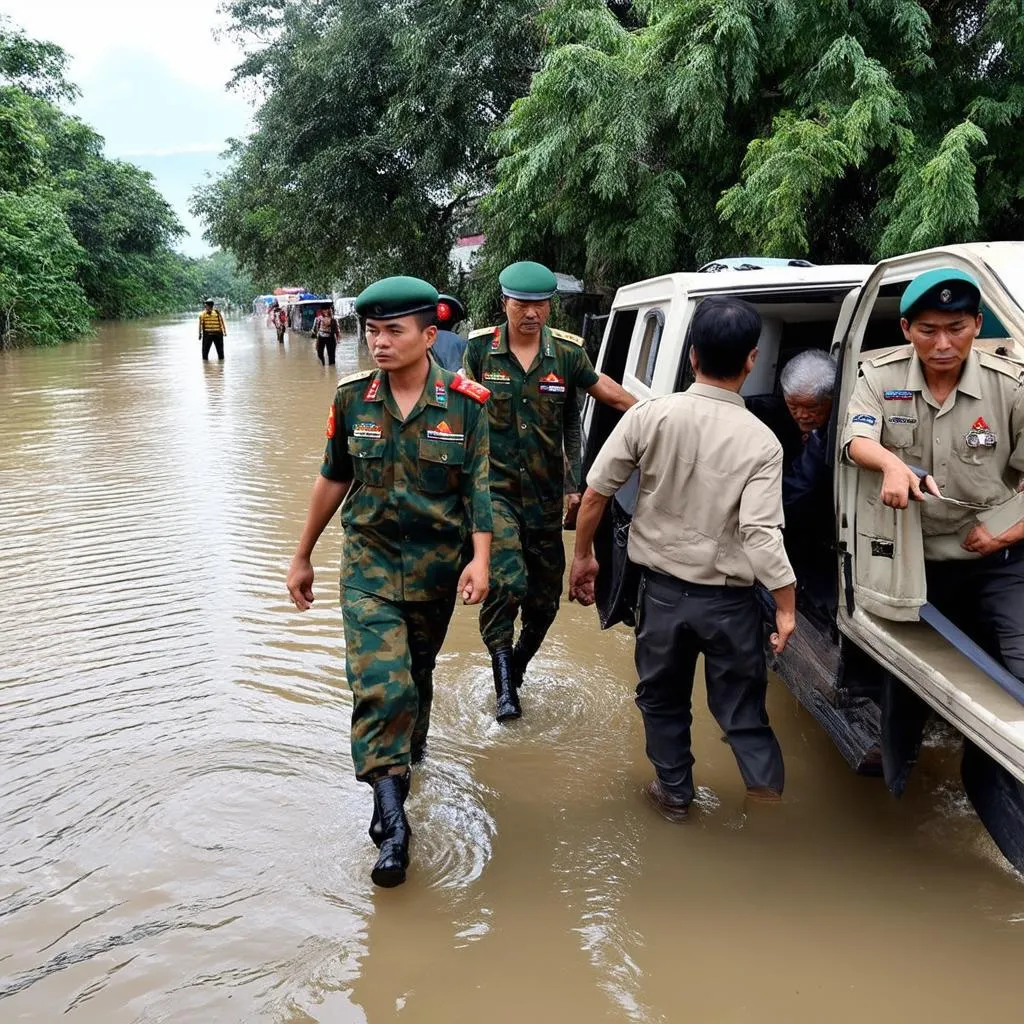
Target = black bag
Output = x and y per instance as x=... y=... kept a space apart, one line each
x=618 y=579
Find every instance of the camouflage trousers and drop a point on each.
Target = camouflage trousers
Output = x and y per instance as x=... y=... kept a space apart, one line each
x=527 y=566
x=390 y=652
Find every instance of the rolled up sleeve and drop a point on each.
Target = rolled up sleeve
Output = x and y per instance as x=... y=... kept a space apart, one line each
x=760 y=525
x=864 y=416
x=620 y=454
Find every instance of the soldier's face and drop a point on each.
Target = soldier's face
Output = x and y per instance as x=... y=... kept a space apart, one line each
x=526 y=317
x=398 y=344
x=942 y=341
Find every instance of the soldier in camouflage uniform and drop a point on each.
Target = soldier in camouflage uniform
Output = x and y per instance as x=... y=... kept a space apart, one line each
x=529 y=369
x=407 y=453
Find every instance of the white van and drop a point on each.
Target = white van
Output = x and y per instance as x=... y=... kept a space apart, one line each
x=870 y=656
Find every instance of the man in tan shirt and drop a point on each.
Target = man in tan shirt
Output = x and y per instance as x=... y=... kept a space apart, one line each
x=957 y=415
x=707 y=525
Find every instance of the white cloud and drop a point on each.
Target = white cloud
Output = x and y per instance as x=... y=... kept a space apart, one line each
x=186 y=36
x=187 y=148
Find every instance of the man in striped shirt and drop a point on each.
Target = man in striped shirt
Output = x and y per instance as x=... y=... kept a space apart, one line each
x=212 y=330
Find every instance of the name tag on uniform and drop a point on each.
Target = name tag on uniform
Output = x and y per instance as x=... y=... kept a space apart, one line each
x=898 y=396
x=552 y=384
x=902 y=419
x=497 y=377
x=373 y=430
x=443 y=432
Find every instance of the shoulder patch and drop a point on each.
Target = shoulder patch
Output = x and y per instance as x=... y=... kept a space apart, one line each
x=1002 y=364
x=353 y=377
x=573 y=339
x=470 y=387
x=901 y=354
x=481 y=332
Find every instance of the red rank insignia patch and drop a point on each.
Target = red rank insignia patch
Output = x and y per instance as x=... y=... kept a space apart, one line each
x=371 y=391
x=496 y=340
x=470 y=387
x=980 y=424
x=330 y=423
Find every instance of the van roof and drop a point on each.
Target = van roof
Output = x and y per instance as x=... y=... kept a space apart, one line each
x=657 y=289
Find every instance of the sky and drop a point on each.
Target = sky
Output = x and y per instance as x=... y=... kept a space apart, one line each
x=153 y=78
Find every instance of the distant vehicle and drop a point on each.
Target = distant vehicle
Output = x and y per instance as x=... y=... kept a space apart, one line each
x=860 y=654
x=302 y=312
x=750 y=263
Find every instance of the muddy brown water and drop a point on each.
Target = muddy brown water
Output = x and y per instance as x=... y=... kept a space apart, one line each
x=182 y=838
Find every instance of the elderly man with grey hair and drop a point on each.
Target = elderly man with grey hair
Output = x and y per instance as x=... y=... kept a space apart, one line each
x=808 y=383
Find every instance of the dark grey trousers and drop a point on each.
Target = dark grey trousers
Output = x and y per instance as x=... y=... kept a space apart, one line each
x=676 y=622
x=985 y=598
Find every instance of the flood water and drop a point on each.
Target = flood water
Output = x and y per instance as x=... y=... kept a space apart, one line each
x=182 y=838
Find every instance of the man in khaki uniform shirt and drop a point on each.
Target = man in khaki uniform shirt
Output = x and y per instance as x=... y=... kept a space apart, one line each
x=708 y=523
x=957 y=415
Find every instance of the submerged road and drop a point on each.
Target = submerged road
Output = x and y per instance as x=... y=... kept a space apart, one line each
x=182 y=838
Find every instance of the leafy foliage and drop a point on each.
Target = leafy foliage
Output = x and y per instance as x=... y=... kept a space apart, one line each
x=836 y=131
x=371 y=145
x=80 y=235
x=219 y=276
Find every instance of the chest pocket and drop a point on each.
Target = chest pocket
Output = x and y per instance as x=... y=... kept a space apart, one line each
x=440 y=465
x=975 y=455
x=499 y=410
x=368 y=459
x=551 y=406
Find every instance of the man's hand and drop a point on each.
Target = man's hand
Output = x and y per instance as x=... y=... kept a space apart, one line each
x=300 y=582
x=785 y=627
x=981 y=541
x=474 y=581
x=582 y=578
x=572 y=510
x=900 y=483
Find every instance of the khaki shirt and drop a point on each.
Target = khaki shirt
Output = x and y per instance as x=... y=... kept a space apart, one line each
x=709 y=508
x=422 y=483
x=973 y=444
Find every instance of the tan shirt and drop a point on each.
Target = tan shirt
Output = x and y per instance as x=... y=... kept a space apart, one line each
x=973 y=444
x=709 y=508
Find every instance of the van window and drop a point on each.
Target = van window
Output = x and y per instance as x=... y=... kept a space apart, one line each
x=654 y=325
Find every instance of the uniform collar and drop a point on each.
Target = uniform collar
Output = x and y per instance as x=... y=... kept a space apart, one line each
x=435 y=389
x=969 y=382
x=499 y=343
x=718 y=394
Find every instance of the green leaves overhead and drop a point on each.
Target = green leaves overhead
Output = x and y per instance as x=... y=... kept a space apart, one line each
x=834 y=130
x=371 y=148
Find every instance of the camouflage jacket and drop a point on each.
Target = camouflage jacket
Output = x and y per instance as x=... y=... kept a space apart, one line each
x=421 y=485
x=527 y=417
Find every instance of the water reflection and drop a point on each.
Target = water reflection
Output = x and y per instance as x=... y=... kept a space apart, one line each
x=184 y=840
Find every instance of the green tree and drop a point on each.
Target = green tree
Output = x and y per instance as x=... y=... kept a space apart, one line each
x=219 y=275
x=371 y=141
x=80 y=235
x=659 y=136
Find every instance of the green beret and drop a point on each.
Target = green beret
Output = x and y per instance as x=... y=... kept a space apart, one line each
x=945 y=289
x=531 y=282
x=394 y=297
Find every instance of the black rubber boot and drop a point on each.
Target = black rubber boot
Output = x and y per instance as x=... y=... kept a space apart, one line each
x=526 y=647
x=389 y=795
x=376 y=828
x=508 y=700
